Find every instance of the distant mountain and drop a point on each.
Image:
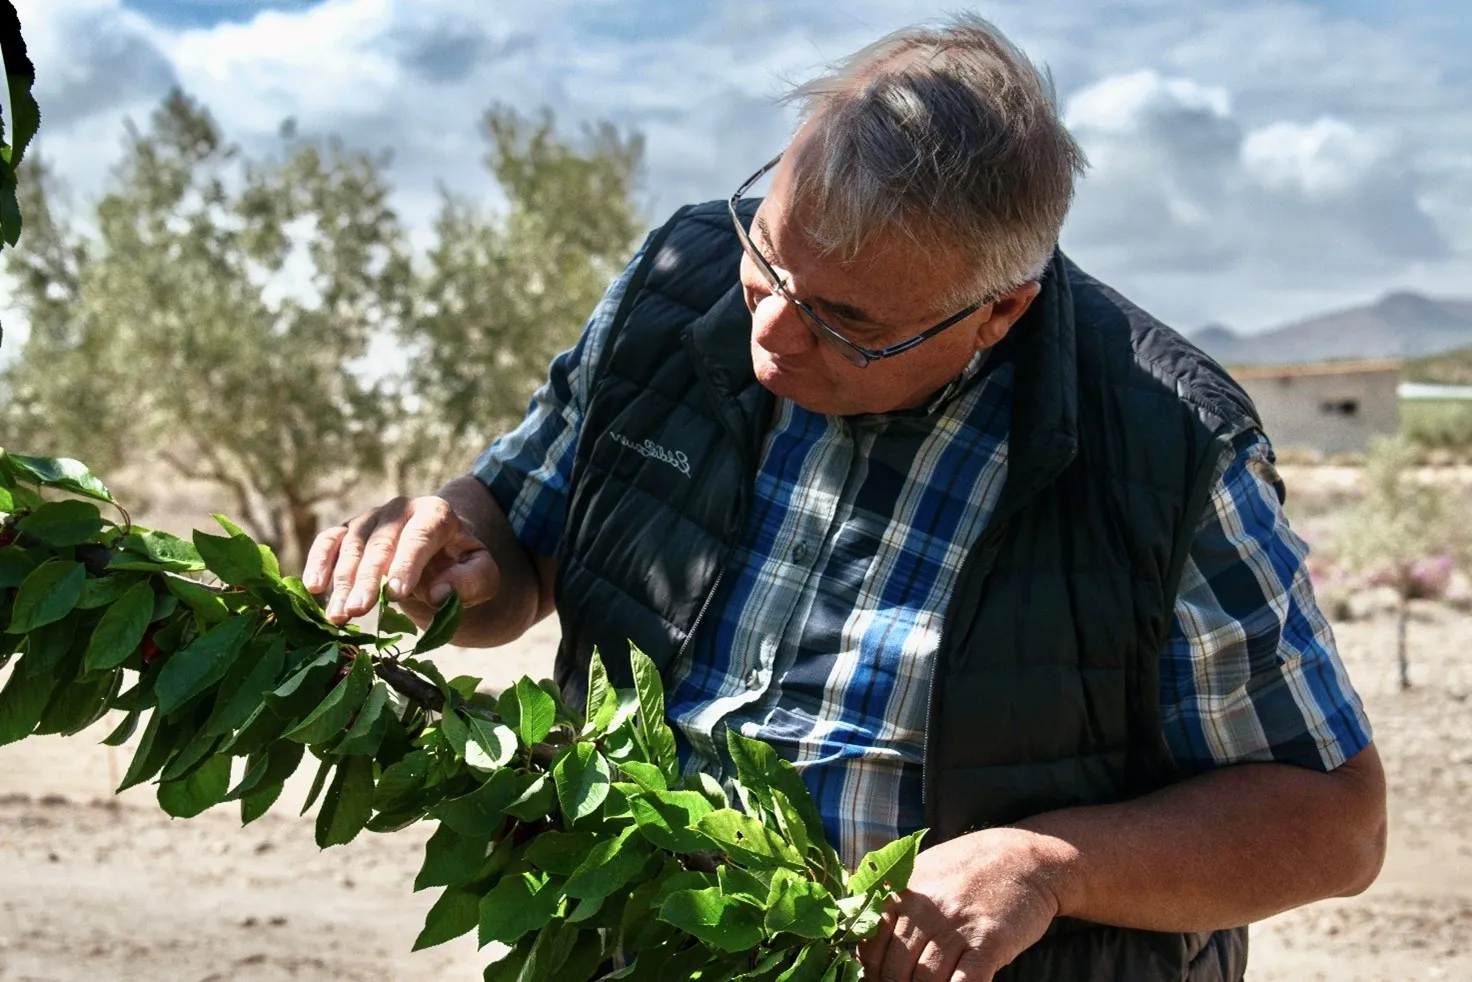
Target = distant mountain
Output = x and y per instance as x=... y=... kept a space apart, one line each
x=1400 y=325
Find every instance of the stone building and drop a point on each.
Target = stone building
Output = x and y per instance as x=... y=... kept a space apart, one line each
x=1331 y=407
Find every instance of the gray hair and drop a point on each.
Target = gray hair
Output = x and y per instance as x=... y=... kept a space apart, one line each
x=948 y=134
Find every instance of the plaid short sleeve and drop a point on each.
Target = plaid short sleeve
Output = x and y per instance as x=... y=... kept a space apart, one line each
x=528 y=469
x=1250 y=671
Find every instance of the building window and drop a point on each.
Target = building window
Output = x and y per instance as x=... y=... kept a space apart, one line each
x=1348 y=408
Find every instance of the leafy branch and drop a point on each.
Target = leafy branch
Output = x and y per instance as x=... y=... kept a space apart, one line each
x=572 y=837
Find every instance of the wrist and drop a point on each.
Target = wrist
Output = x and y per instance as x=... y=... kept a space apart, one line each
x=1056 y=871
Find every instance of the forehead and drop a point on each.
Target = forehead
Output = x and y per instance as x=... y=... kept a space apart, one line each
x=898 y=273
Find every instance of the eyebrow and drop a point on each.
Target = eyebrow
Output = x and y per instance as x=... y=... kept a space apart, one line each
x=844 y=310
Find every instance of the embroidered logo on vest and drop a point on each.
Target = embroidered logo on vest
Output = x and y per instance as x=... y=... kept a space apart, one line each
x=649 y=448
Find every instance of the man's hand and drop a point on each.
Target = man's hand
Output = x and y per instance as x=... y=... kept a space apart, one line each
x=974 y=904
x=420 y=544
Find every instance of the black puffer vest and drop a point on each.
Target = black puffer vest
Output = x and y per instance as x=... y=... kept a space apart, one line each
x=1046 y=692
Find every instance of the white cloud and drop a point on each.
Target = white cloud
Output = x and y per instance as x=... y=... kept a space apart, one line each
x=1325 y=159
x=1253 y=160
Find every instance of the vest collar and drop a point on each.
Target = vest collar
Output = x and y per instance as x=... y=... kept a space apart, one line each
x=1044 y=437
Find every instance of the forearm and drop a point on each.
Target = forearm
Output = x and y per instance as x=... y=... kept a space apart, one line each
x=521 y=599
x=1222 y=849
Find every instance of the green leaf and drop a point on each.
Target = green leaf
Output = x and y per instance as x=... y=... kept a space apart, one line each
x=602 y=700
x=206 y=604
x=719 y=921
x=245 y=685
x=561 y=853
x=121 y=629
x=491 y=745
x=670 y=819
x=647 y=776
x=201 y=664
x=75 y=707
x=393 y=621
x=199 y=791
x=15 y=566
x=457 y=912
x=198 y=748
x=442 y=628
x=609 y=867
x=270 y=767
x=62 y=473
x=236 y=559
x=891 y=864
x=48 y=594
x=451 y=859
x=348 y=803
x=582 y=781
x=7 y=500
x=47 y=647
x=103 y=590
x=157 y=549
x=748 y=841
x=761 y=772
x=809 y=966
x=365 y=735
x=331 y=715
x=306 y=686
x=456 y=731
x=400 y=782
x=711 y=789
x=536 y=712
x=159 y=741
x=22 y=702
x=483 y=810
x=517 y=906
x=319 y=781
x=799 y=906
x=658 y=736
x=63 y=523
x=125 y=730
x=256 y=804
x=537 y=798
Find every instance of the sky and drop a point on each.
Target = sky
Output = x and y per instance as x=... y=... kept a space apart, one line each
x=1253 y=162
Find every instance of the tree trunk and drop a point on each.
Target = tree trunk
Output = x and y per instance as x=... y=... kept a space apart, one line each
x=302 y=529
x=1402 y=621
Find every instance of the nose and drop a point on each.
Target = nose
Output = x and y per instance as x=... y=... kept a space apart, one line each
x=779 y=327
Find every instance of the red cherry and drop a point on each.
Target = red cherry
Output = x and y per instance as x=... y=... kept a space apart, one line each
x=148 y=650
x=7 y=536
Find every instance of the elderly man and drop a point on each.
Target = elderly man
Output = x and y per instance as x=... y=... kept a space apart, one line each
x=878 y=475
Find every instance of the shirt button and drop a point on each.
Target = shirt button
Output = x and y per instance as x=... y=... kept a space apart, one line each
x=754 y=679
x=800 y=552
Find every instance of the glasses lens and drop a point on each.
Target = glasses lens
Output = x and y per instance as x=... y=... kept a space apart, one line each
x=829 y=337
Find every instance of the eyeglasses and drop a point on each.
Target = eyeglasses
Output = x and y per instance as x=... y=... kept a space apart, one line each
x=856 y=354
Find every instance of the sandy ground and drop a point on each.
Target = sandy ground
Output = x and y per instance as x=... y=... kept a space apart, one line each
x=95 y=888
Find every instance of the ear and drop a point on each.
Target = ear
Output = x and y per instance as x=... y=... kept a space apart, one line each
x=1005 y=311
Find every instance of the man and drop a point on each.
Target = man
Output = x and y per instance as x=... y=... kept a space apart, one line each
x=876 y=474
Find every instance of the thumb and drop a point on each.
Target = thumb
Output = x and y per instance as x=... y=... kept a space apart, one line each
x=475 y=577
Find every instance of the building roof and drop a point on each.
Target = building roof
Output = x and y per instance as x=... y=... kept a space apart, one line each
x=1356 y=367
x=1426 y=391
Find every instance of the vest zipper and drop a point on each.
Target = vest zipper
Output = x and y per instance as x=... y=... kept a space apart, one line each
x=984 y=545
x=709 y=597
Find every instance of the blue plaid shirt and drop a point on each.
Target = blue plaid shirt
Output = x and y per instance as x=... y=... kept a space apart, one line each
x=823 y=638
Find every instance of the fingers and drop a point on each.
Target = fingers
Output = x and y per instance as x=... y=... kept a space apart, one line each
x=378 y=551
x=973 y=967
x=903 y=952
x=350 y=551
x=872 y=951
x=428 y=528
x=317 y=570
